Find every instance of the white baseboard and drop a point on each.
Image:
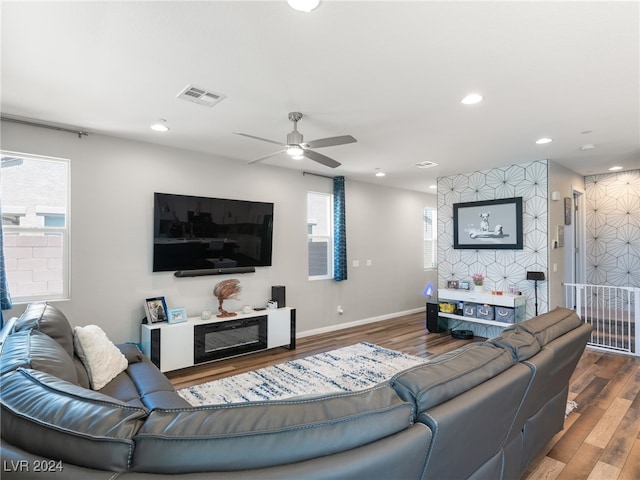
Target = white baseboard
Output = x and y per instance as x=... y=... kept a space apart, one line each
x=364 y=321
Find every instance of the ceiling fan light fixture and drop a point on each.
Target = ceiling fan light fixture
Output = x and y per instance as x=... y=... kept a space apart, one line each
x=304 y=5
x=544 y=140
x=297 y=157
x=294 y=151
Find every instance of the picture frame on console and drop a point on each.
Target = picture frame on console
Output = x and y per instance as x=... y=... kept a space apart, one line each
x=156 y=310
x=177 y=315
x=488 y=224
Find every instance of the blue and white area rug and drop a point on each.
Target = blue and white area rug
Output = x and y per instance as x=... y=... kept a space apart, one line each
x=347 y=369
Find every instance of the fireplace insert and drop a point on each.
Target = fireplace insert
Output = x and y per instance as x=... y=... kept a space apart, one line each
x=229 y=338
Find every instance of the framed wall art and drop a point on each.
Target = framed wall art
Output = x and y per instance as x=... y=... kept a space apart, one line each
x=488 y=224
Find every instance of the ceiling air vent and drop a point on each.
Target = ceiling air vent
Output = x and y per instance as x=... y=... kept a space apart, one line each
x=201 y=96
x=425 y=164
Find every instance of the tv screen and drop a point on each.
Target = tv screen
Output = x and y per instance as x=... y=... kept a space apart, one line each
x=193 y=233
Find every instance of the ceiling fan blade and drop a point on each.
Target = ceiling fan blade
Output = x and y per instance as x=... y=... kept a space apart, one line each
x=331 y=141
x=265 y=157
x=259 y=138
x=320 y=158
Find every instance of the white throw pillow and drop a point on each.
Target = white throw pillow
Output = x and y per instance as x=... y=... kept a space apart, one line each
x=102 y=359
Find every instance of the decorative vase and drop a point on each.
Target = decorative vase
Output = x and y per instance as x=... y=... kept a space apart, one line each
x=478 y=288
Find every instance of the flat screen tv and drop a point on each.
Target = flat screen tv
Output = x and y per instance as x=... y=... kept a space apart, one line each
x=199 y=233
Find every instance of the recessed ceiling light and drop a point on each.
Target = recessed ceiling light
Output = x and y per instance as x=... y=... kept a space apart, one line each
x=617 y=167
x=471 y=99
x=425 y=164
x=304 y=5
x=543 y=140
x=379 y=173
x=160 y=126
x=587 y=146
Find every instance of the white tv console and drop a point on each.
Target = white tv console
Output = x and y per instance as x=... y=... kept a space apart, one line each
x=171 y=346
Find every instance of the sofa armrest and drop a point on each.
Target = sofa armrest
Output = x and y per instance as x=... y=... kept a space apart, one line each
x=131 y=352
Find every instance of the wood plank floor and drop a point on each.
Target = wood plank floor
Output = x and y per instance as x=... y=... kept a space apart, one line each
x=601 y=438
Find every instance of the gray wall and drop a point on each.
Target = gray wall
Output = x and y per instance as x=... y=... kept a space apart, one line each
x=112 y=185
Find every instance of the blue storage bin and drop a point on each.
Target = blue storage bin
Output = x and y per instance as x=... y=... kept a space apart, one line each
x=485 y=312
x=505 y=314
x=469 y=309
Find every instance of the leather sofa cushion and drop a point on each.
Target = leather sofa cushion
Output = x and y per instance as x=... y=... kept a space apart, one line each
x=34 y=349
x=450 y=374
x=549 y=326
x=164 y=400
x=263 y=434
x=15 y=352
x=50 y=321
x=83 y=376
x=521 y=344
x=56 y=419
x=123 y=389
x=142 y=384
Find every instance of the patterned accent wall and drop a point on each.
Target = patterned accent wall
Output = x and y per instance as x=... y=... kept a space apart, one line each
x=613 y=229
x=502 y=268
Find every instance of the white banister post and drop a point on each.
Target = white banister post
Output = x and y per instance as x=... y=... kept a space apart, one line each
x=578 y=299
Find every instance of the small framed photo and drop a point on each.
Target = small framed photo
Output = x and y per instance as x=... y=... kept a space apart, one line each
x=177 y=315
x=156 y=309
x=452 y=284
x=463 y=285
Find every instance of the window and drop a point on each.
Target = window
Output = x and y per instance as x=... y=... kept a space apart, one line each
x=430 y=236
x=35 y=222
x=320 y=235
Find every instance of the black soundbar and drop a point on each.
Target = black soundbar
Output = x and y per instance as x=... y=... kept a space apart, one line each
x=214 y=271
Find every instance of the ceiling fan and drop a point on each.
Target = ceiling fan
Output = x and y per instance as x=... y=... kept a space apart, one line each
x=297 y=149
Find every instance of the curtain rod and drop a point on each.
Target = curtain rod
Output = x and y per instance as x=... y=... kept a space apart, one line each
x=80 y=133
x=318 y=175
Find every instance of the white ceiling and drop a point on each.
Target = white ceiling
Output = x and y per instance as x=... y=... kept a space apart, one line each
x=391 y=74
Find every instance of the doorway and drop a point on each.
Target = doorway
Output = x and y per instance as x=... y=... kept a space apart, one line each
x=575 y=254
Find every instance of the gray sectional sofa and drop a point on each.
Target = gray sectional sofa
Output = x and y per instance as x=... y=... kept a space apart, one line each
x=481 y=411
